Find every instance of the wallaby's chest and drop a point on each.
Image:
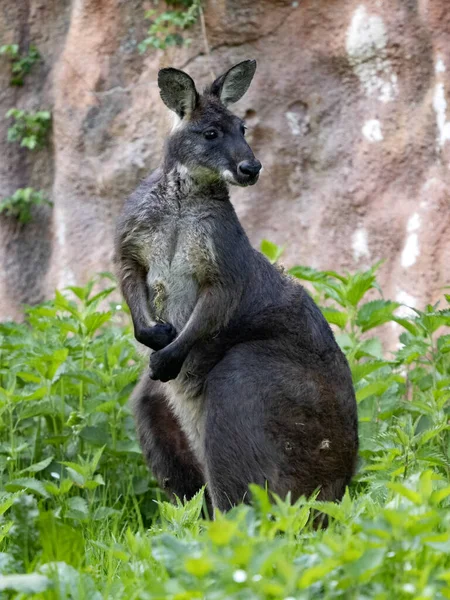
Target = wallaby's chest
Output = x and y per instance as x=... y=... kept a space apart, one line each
x=180 y=258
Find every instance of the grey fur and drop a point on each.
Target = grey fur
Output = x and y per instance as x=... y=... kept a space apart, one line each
x=257 y=390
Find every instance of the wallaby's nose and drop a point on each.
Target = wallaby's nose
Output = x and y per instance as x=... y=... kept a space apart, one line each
x=251 y=168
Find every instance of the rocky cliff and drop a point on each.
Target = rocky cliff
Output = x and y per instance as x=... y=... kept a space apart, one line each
x=348 y=113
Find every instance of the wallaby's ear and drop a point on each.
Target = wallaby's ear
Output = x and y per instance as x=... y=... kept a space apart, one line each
x=232 y=85
x=177 y=91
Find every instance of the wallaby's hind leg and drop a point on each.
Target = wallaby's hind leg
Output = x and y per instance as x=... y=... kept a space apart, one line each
x=164 y=444
x=237 y=452
x=281 y=421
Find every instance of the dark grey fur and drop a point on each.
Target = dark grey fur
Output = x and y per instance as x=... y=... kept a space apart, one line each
x=257 y=390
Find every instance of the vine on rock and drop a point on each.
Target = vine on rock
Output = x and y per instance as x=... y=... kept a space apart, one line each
x=167 y=28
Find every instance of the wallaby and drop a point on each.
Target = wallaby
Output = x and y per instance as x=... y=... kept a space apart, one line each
x=246 y=382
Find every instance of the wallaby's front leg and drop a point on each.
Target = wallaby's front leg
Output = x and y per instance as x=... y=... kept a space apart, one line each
x=212 y=311
x=134 y=289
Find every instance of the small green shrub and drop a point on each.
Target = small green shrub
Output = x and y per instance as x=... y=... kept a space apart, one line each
x=167 y=27
x=31 y=129
x=20 y=65
x=20 y=204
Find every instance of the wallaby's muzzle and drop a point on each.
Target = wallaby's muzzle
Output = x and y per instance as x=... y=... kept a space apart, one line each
x=248 y=171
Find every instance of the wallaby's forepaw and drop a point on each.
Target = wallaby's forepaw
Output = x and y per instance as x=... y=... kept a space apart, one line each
x=165 y=366
x=157 y=337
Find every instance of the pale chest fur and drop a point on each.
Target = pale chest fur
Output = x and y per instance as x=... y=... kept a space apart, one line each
x=189 y=410
x=181 y=258
x=181 y=261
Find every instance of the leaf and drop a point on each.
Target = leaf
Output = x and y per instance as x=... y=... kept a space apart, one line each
x=43 y=115
x=37 y=394
x=443 y=344
x=364 y=566
x=61 y=542
x=411 y=495
x=260 y=498
x=104 y=512
x=54 y=490
x=107 y=407
x=96 y=435
x=182 y=515
x=307 y=273
x=40 y=466
x=94 y=483
x=100 y=296
x=29 y=484
x=29 y=142
x=361 y=370
x=376 y=388
x=271 y=250
x=76 y=477
x=96 y=459
x=116 y=550
x=78 y=508
x=341 y=278
x=317 y=573
x=375 y=313
x=125 y=447
x=80 y=292
x=96 y=320
x=30 y=583
x=199 y=567
x=410 y=352
x=335 y=317
x=433 y=321
x=168 y=550
x=6 y=503
x=439 y=495
x=370 y=348
x=65 y=324
x=222 y=531
x=358 y=285
x=429 y=434
x=63 y=303
x=41 y=408
x=70 y=583
x=441 y=543
x=88 y=376
x=56 y=359
x=29 y=377
x=408 y=325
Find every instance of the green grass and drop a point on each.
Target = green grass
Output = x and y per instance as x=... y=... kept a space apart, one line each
x=81 y=517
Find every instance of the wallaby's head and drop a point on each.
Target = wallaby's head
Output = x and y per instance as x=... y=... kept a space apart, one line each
x=209 y=141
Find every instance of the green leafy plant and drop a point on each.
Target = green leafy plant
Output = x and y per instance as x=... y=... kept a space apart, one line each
x=20 y=65
x=80 y=517
x=31 y=129
x=20 y=204
x=271 y=251
x=166 y=28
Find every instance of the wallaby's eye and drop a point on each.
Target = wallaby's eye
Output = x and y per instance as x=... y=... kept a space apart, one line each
x=243 y=129
x=210 y=134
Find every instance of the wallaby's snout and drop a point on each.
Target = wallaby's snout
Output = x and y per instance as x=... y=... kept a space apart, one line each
x=250 y=169
x=209 y=141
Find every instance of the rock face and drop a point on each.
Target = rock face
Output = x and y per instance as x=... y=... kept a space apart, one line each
x=348 y=113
